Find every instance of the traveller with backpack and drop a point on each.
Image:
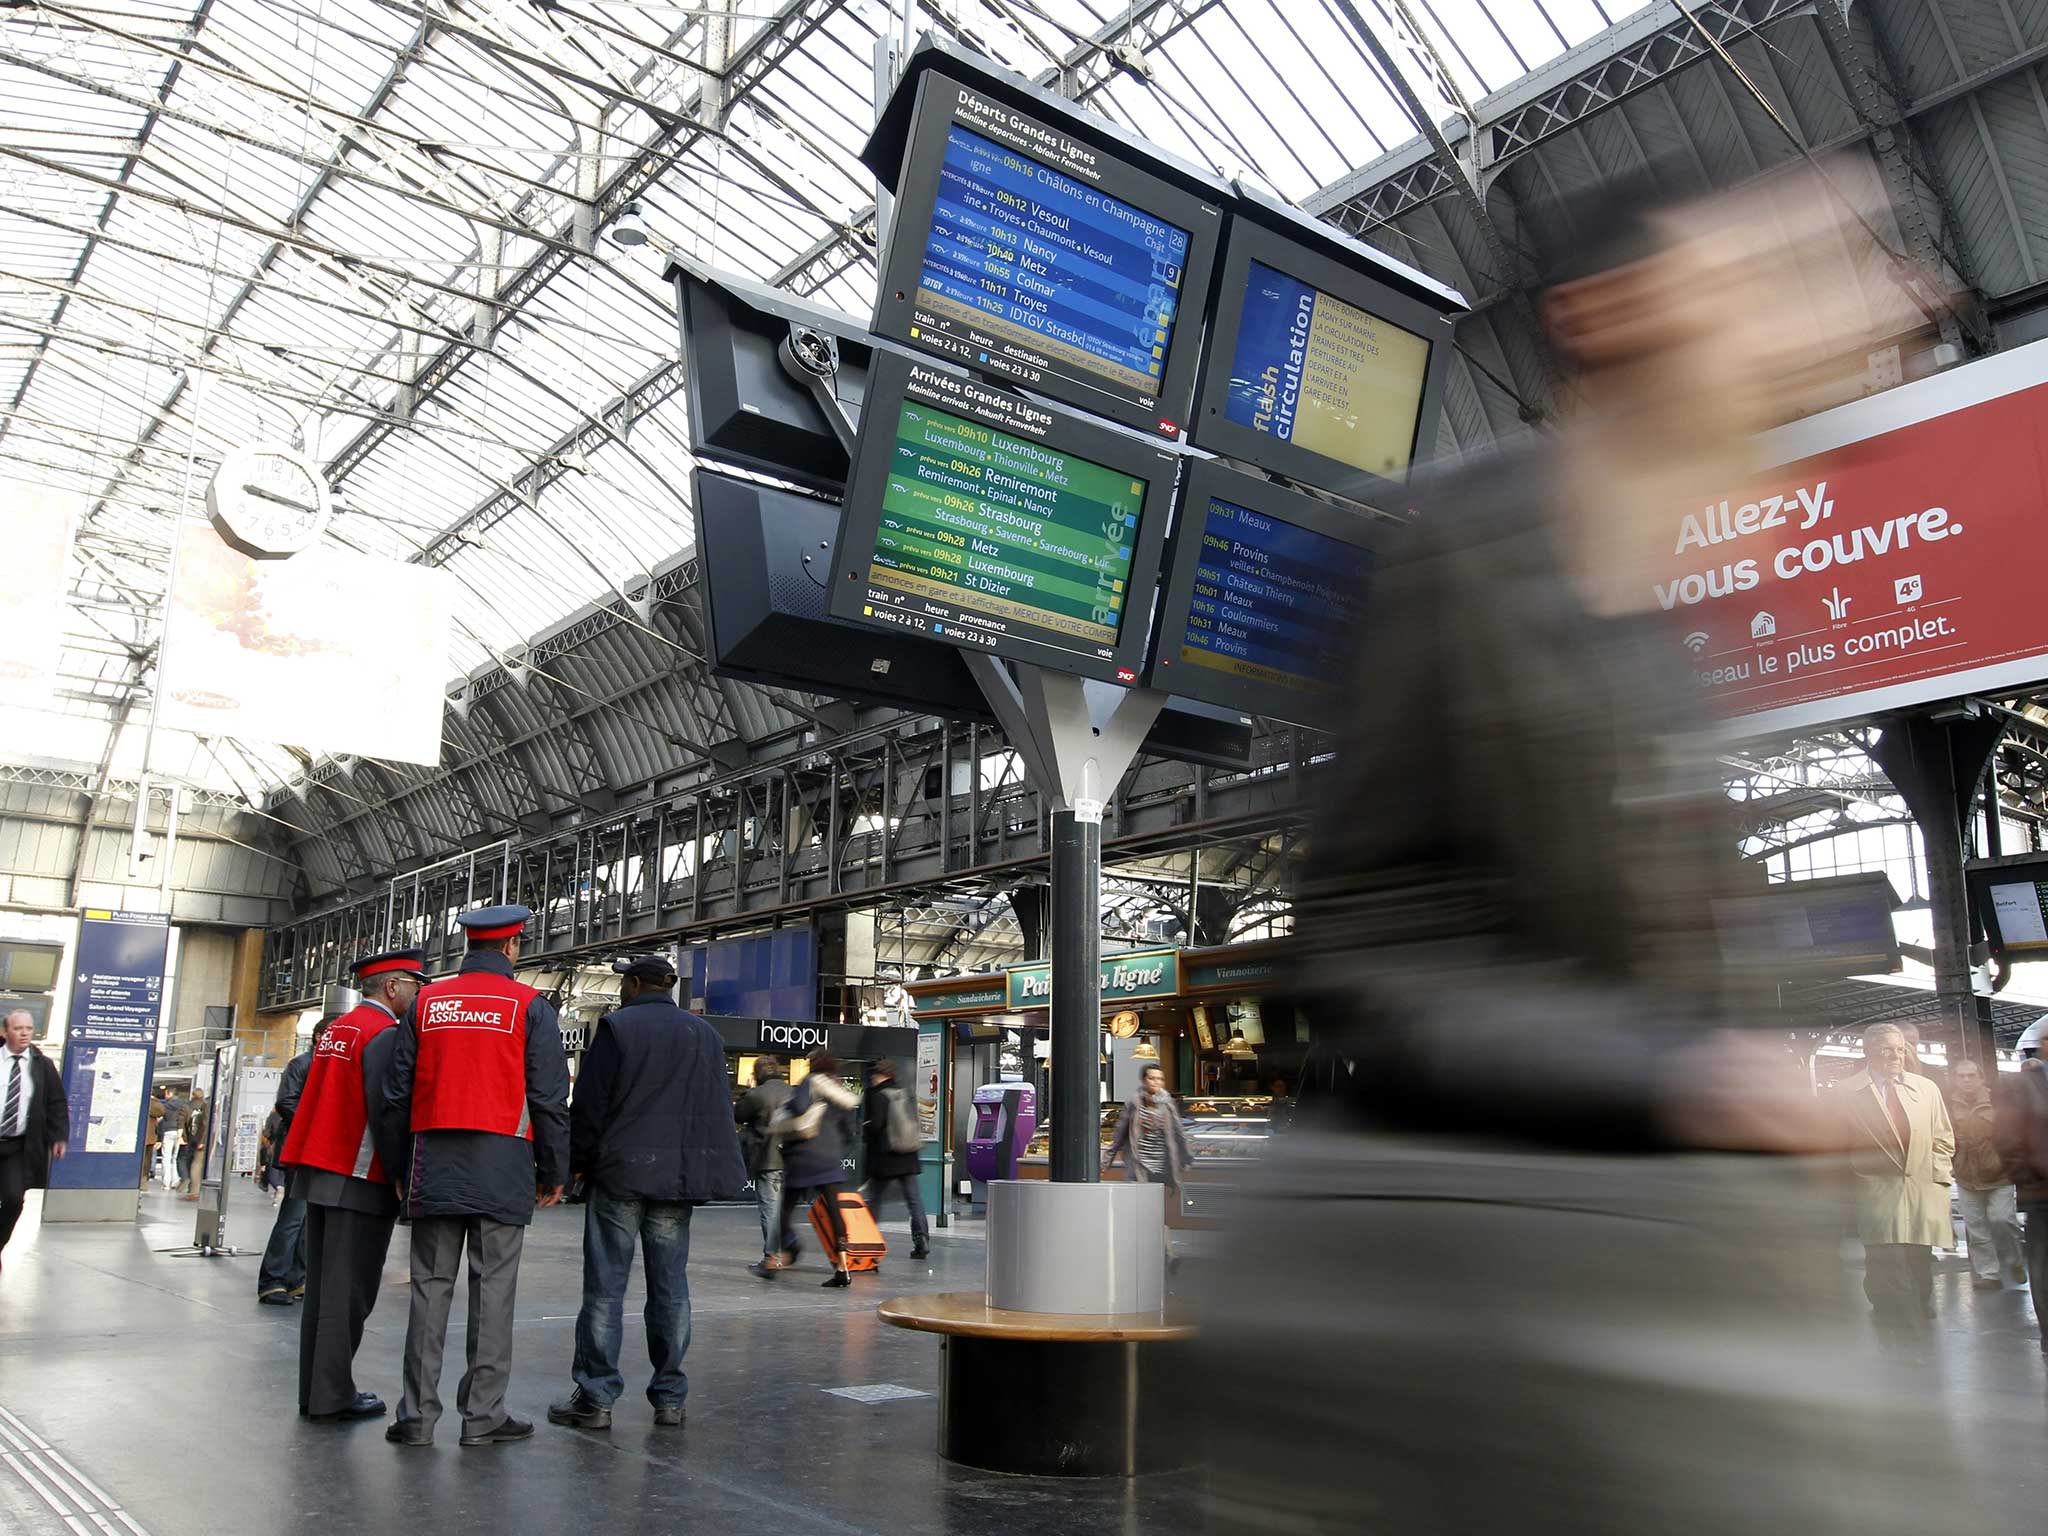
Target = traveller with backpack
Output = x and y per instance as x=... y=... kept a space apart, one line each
x=762 y=1150
x=893 y=1146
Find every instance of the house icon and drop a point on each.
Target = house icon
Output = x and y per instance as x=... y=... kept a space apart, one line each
x=1762 y=626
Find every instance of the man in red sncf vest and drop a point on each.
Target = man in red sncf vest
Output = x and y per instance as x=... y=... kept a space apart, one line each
x=341 y=1150
x=481 y=1079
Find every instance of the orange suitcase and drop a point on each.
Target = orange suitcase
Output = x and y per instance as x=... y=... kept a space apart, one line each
x=864 y=1245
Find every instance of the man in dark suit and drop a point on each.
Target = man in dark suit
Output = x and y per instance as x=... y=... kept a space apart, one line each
x=35 y=1121
x=651 y=1131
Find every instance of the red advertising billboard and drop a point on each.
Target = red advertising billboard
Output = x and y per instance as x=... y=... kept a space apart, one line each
x=1896 y=554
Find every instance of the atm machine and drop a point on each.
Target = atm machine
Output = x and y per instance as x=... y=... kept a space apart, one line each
x=1005 y=1117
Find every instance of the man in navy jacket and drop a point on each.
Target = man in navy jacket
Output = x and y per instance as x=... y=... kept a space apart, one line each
x=651 y=1134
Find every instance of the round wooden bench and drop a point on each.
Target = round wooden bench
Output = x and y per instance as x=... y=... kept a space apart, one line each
x=1048 y=1394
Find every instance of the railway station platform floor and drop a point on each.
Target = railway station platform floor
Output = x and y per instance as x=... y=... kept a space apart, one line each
x=144 y=1393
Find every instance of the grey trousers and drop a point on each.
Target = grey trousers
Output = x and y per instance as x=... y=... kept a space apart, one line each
x=437 y=1245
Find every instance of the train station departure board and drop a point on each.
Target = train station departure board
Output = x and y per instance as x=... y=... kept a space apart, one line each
x=1263 y=598
x=988 y=522
x=1020 y=252
x=1318 y=371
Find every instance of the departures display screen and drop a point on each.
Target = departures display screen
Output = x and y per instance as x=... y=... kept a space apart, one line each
x=1327 y=376
x=987 y=522
x=1022 y=253
x=1264 y=599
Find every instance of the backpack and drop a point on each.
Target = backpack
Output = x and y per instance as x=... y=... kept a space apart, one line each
x=793 y=1124
x=899 y=1126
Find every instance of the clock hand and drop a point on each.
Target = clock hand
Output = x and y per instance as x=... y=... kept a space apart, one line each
x=283 y=501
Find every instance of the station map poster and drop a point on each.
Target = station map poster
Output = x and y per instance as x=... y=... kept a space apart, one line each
x=117 y=1000
x=1325 y=375
x=264 y=649
x=1893 y=558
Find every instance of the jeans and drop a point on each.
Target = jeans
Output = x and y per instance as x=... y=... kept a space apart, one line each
x=610 y=1224
x=913 y=1200
x=1993 y=1224
x=284 y=1256
x=768 y=1198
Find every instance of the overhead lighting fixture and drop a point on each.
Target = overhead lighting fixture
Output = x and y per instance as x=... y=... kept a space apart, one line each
x=1145 y=1050
x=1237 y=1048
x=629 y=230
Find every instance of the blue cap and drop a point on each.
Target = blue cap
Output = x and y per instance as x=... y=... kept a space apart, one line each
x=656 y=968
x=495 y=922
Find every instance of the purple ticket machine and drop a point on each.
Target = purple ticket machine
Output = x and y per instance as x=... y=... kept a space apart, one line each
x=1005 y=1115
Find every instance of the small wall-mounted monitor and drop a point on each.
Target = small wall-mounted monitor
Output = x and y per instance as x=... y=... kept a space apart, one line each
x=988 y=522
x=1317 y=369
x=745 y=407
x=1805 y=930
x=2011 y=896
x=1020 y=250
x=1261 y=597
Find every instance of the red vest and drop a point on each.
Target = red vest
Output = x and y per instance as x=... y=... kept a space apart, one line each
x=471 y=1071
x=331 y=1129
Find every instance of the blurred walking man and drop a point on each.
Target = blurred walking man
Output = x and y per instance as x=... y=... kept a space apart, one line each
x=480 y=1074
x=651 y=1134
x=1513 y=1240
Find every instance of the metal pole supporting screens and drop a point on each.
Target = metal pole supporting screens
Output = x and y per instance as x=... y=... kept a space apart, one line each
x=1076 y=997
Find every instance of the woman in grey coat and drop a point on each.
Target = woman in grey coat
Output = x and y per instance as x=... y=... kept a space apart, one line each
x=1151 y=1141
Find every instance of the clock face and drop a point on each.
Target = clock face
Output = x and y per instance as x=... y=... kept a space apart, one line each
x=268 y=501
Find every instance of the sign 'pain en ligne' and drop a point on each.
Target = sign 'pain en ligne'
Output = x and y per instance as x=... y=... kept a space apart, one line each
x=1891 y=558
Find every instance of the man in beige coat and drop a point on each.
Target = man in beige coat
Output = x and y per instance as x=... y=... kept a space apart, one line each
x=1901 y=1147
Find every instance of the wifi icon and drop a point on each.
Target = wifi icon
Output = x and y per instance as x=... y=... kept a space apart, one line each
x=1697 y=641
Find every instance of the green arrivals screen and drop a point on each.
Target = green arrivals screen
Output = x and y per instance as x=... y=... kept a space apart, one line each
x=989 y=535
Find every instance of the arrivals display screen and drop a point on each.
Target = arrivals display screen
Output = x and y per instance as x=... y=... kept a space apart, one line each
x=1263 y=598
x=1318 y=371
x=1024 y=253
x=985 y=521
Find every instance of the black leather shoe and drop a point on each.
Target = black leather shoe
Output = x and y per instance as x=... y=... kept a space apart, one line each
x=668 y=1415
x=504 y=1432
x=920 y=1252
x=368 y=1405
x=408 y=1432
x=840 y=1278
x=278 y=1298
x=579 y=1410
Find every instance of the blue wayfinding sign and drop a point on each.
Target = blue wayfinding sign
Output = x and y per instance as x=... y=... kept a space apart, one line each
x=117 y=993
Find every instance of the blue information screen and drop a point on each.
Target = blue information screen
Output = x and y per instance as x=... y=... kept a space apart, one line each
x=1325 y=375
x=1273 y=602
x=1036 y=267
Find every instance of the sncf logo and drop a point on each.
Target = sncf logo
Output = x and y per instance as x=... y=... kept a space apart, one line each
x=339 y=1041
x=493 y=1013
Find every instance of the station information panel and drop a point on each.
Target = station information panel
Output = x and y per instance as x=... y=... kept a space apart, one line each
x=986 y=521
x=1020 y=251
x=1318 y=371
x=1262 y=601
x=2013 y=900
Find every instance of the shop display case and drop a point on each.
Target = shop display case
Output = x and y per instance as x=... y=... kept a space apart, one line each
x=1224 y=1133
